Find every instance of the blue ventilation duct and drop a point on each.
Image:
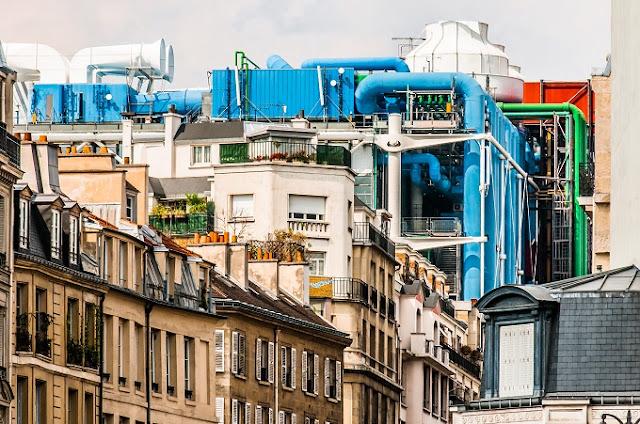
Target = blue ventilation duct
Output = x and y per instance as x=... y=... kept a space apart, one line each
x=185 y=101
x=440 y=181
x=275 y=61
x=359 y=63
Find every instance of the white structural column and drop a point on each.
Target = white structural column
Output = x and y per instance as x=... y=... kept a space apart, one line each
x=394 y=182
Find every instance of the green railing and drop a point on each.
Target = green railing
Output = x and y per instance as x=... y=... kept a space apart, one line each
x=267 y=151
x=182 y=224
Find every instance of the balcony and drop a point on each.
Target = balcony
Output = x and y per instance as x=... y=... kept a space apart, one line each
x=463 y=362
x=23 y=336
x=279 y=151
x=10 y=146
x=274 y=249
x=307 y=225
x=182 y=224
x=432 y=227
x=419 y=346
x=587 y=179
x=350 y=289
x=364 y=232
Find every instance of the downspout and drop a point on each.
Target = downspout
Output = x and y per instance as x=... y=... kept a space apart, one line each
x=276 y=385
x=579 y=155
x=100 y=357
x=147 y=312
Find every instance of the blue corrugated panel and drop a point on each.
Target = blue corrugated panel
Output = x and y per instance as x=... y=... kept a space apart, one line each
x=79 y=102
x=271 y=89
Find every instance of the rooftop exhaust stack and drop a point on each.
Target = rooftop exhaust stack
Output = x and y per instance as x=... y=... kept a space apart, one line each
x=463 y=46
x=91 y=64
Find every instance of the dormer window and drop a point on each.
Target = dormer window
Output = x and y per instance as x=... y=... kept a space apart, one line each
x=73 y=240
x=55 y=234
x=23 y=233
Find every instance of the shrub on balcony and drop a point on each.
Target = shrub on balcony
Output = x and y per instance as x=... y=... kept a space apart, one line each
x=75 y=351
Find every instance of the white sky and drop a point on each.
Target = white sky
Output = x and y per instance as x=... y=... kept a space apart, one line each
x=549 y=39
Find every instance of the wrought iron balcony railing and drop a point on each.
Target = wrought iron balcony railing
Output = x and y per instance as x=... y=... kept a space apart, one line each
x=587 y=179
x=266 y=151
x=10 y=145
x=364 y=232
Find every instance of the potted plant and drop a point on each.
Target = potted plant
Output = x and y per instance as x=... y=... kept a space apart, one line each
x=279 y=156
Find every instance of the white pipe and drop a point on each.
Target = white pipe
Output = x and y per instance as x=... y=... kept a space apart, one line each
x=238 y=99
x=519 y=232
x=394 y=181
x=320 y=87
x=341 y=136
x=503 y=203
x=36 y=62
x=63 y=137
x=513 y=163
x=482 y=188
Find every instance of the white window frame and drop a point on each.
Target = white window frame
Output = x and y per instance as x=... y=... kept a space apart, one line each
x=24 y=224
x=200 y=154
x=308 y=211
x=317 y=262
x=120 y=350
x=130 y=209
x=244 y=212
x=187 y=363
x=73 y=239
x=55 y=234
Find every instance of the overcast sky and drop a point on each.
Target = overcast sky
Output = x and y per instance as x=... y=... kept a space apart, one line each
x=549 y=39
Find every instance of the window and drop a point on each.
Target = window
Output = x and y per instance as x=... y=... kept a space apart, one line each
x=332 y=378
x=265 y=366
x=238 y=353
x=106 y=259
x=444 y=398
x=220 y=409
x=219 y=346
x=130 y=209
x=383 y=305
x=55 y=234
x=435 y=378
x=287 y=417
x=155 y=361
x=22 y=401
x=189 y=371
x=170 y=361
x=288 y=364
x=316 y=263
x=240 y=412
x=89 y=414
x=122 y=264
x=72 y=407
x=381 y=340
x=374 y=298
x=426 y=396
x=310 y=370
x=24 y=223
x=264 y=415
x=242 y=206
x=74 y=344
x=43 y=320
x=374 y=407
x=40 y=412
x=73 y=240
x=516 y=360
x=307 y=207
x=139 y=363
x=390 y=353
x=200 y=155
x=372 y=345
x=91 y=331
x=122 y=380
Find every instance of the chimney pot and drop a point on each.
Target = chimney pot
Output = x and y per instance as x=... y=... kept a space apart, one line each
x=27 y=136
x=104 y=150
x=126 y=160
x=74 y=149
x=42 y=138
x=86 y=149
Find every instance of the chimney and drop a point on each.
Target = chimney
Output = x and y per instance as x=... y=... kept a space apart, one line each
x=172 y=122
x=40 y=164
x=230 y=259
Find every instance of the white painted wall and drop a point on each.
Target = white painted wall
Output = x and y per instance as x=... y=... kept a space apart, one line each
x=625 y=127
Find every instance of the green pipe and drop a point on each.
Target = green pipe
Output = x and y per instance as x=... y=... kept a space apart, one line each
x=534 y=114
x=579 y=156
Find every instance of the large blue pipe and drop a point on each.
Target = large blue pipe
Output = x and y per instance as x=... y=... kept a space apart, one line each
x=371 y=89
x=359 y=63
x=158 y=102
x=440 y=182
x=275 y=61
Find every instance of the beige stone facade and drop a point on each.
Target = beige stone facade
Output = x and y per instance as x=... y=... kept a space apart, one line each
x=601 y=225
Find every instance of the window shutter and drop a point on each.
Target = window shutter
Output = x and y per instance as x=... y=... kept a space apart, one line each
x=220 y=409
x=219 y=342
x=327 y=377
x=281 y=417
x=258 y=359
x=516 y=360
x=234 y=352
x=304 y=371
x=271 y=361
x=307 y=420
x=258 y=414
x=316 y=373
x=270 y=415
x=247 y=413
x=338 y=380
x=241 y=354
x=294 y=419
x=293 y=368
x=316 y=421
x=283 y=366
x=234 y=411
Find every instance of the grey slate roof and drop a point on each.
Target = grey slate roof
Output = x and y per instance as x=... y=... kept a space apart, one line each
x=210 y=131
x=176 y=188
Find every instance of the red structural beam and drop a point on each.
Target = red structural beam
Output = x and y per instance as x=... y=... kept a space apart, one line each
x=576 y=92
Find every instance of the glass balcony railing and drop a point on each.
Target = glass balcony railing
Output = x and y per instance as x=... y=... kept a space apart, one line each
x=271 y=151
x=432 y=227
x=182 y=224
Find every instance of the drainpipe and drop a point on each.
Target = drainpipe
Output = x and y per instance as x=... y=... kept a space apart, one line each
x=147 y=312
x=503 y=203
x=100 y=357
x=276 y=333
x=579 y=155
x=483 y=193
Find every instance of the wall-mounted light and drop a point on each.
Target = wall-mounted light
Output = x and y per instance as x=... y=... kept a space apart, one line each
x=108 y=96
x=341 y=71
x=333 y=83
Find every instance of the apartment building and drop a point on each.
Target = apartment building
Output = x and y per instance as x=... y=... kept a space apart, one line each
x=7 y=80
x=55 y=335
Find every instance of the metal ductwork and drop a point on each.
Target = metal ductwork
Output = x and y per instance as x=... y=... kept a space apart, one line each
x=359 y=63
x=277 y=62
x=36 y=62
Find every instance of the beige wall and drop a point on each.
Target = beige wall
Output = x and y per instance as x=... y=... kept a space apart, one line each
x=601 y=227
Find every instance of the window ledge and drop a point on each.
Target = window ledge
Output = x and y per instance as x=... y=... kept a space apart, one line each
x=288 y=389
x=264 y=383
x=310 y=394
x=332 y=400
x=172 y=398
x=200 y=165
x=156 y=395
x=124 y=389
x=190 y=402
x=241 y=220
x=240 y=376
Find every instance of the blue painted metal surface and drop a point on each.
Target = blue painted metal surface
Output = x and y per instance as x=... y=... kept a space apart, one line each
x=187 y=102
x=359 y=63
x=478 y=108
x=271 y=89
x=277 y=62
x=80 y=102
